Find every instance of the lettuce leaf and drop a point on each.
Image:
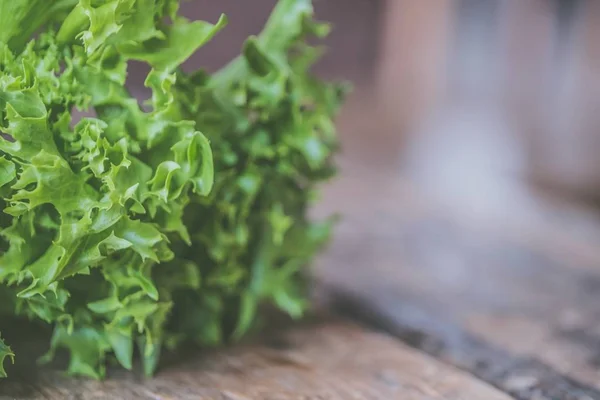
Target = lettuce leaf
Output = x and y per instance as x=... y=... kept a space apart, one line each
x=154 y=224
x=20 y=19
x=5 y=352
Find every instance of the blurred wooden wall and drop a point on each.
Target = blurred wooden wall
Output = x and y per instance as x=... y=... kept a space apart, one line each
x=414 y=53
x=535 y=63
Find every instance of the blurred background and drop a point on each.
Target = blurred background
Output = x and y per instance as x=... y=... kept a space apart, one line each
x=466 y=97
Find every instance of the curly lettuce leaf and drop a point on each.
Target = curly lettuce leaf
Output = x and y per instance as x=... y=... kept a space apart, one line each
x=5 y=352
x=176 y=43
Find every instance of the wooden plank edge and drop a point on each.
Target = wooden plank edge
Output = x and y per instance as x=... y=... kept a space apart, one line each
x=523 y=378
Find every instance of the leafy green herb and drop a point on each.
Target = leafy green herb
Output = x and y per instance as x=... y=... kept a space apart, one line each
x=154 y=225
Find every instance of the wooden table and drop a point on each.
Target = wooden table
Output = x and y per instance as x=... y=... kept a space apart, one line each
x=416 y=301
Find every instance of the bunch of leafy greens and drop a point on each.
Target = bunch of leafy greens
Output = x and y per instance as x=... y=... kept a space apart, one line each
x=147 y=226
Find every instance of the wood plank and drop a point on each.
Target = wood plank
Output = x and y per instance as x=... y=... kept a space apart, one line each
x=522 y=377
x=509 y=314
x=318 y=360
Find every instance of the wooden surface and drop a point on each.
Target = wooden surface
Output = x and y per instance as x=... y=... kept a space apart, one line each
x=318 y=360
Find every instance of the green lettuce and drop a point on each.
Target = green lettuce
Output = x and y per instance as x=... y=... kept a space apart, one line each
x=157 y=224
x=5 y=352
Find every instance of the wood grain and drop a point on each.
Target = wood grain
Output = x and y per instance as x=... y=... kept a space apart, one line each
x=320 y=360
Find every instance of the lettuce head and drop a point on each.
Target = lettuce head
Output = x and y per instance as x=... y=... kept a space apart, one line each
x=151 y=223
